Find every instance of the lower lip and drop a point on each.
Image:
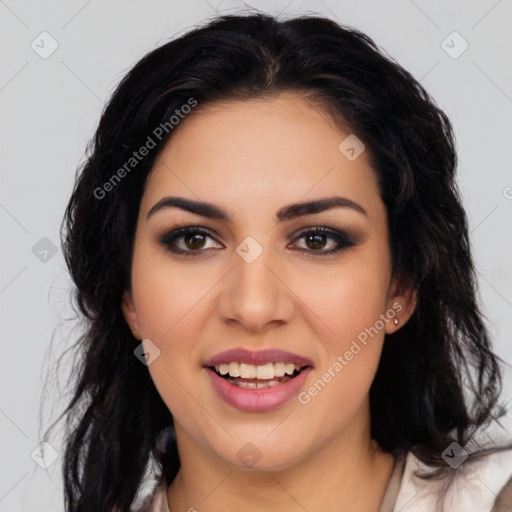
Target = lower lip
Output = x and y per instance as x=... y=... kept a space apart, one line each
x=257 y=400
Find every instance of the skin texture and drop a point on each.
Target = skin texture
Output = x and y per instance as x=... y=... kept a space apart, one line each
x=252 y=158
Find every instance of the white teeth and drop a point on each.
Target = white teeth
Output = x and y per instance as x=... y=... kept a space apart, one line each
x=234 y=369
x=279 y=369
x=247 y=371
x=256 y=385
x=263 y=371
x=289 y=368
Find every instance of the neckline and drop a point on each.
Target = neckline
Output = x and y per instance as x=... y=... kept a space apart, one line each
x=395 y=481
x=387 y=504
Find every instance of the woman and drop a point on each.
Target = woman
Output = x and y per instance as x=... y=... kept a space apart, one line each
x=271 y=254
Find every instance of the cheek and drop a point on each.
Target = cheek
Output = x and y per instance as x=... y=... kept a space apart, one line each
x=345 y=300
x=170 y=301
x=348 y=323
x=166 y=293
x=344 y=308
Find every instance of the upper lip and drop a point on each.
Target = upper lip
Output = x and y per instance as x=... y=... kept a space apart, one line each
x=260 y=357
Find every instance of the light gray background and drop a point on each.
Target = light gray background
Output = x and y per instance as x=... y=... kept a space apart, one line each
x=50 y=108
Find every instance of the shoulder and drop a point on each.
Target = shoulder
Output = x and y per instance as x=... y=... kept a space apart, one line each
x=483 y=485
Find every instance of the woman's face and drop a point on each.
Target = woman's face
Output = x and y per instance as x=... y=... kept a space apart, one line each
x=259 y=279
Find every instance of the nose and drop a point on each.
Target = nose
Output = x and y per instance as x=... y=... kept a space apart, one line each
x=256 y=295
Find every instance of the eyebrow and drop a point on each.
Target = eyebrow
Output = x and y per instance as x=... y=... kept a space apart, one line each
x=285 y=213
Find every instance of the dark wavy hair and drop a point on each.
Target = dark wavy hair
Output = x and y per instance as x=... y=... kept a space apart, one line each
x=438 y=380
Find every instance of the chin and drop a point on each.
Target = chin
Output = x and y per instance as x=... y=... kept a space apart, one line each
x=263 y=456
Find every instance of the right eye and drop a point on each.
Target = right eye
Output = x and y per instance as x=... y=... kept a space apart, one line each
x=188 y=241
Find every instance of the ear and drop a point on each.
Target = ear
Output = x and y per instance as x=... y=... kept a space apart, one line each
x=402 y=301
x=130 y=315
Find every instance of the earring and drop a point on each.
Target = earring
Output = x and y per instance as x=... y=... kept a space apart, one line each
x=396 y=320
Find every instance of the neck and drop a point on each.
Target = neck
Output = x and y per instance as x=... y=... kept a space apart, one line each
x=348 y=472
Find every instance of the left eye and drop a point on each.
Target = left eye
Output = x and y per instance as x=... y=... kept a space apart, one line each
x=317 y=238
x=193 y=241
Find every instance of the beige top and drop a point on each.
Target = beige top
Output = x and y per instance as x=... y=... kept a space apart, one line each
x=485 y=486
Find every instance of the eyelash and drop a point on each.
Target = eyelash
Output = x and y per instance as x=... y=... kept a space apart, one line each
x=343 y=240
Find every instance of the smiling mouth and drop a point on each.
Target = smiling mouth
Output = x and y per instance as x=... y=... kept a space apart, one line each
x=257 y=377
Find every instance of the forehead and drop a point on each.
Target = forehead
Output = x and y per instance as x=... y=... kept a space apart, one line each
x=260 y=153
